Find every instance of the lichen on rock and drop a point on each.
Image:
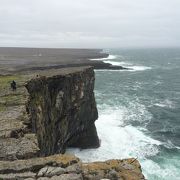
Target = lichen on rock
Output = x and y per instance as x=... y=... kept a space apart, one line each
x=70 y=167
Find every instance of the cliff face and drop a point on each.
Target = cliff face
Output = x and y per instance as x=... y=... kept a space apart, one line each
x=63 y=110
x=57 y=111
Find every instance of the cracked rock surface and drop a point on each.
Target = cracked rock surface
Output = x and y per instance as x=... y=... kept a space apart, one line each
x=69 y=167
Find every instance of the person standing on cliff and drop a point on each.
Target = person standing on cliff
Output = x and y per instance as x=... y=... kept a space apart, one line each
x=13 y=85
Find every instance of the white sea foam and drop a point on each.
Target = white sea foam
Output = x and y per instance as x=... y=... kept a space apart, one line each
x=139 y=68
x=103 y=59
x=121 y=140
x=167 y=171
x=128 y=65
x=166 y=103
x=118 y=63
x=118 y=141
x=114 y=63
x=132 y=67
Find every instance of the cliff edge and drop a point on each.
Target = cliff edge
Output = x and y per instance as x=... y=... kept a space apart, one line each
x=49 y=111
x=62 y=110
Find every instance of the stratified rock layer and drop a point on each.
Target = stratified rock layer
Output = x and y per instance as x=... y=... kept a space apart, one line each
x=68 y=167
x=16 y=138
x=63 y=110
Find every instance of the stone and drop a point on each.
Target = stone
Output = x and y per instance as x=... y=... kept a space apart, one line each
x=11 y=176
x=21 y=148
x=42 y=171
x=128 y=166
x=113 y=169
x=36 y=164
x=43 y=178
x=50 y=171
x=68 y=177
x=75 y=168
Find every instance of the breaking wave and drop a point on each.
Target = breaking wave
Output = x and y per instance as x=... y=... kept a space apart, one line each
x=116 y=61
x=107 y=58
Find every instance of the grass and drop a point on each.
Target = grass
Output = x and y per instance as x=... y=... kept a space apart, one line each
x=9 y=97
x=6 y=80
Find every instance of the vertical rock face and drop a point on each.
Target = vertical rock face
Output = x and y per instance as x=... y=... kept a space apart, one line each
x=63 y=110
x=58 y=111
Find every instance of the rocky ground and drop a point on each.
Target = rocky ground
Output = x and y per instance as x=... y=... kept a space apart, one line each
x=68 y=167
x=16 y=139
x=21 y=155
x=30 y=59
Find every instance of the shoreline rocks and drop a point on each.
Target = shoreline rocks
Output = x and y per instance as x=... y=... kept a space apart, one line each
x=68 y=167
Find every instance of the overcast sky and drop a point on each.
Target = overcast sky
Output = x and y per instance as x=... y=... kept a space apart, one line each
x=90 y=23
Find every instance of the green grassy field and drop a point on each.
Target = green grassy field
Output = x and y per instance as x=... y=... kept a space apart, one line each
x=8 y=97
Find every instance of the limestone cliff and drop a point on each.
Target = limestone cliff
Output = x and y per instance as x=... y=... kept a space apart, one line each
x=63 y=110
x=49 y=111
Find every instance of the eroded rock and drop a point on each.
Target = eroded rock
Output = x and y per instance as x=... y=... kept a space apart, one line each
x=60 y=112
x=50 y=171
x=70 y=167
x=63 y=110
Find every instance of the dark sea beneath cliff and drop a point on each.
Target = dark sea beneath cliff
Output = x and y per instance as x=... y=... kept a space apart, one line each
x=139 y=111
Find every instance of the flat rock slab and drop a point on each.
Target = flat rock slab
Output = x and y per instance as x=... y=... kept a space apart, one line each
x=69 y=167
x=21 y=148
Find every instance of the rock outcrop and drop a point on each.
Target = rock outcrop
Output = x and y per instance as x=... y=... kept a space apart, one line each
x=68 y=167
x=57 y=111
x=49 y=111
x=63 y=110
x=16 y=138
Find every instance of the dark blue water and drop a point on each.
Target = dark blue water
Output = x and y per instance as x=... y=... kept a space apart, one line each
x=139 y=111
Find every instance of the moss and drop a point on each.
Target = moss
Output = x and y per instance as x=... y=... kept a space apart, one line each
x=13 y=100
x=64 y=160
x=9 y=97
x=93 y=167
x=6 y=80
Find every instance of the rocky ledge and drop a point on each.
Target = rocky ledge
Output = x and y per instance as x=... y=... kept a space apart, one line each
x=68 y=167
x=49 y=111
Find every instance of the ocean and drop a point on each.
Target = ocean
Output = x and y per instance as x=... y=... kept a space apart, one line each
x=139 y=111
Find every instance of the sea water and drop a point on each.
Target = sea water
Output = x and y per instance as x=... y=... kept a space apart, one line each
x=139 y=111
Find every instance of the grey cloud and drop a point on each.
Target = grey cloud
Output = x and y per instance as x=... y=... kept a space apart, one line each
x=84 y=23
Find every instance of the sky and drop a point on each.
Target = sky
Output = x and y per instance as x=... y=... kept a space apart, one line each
x=90 y=23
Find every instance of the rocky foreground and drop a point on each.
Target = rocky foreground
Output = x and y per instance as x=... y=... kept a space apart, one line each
x=50 y=111
x=68 y=167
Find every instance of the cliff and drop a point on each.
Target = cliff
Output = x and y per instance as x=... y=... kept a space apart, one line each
x=63 y=110
x=49 y=111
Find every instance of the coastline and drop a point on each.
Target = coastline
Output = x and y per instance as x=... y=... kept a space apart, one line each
x=46 y=114
x=14 y=60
